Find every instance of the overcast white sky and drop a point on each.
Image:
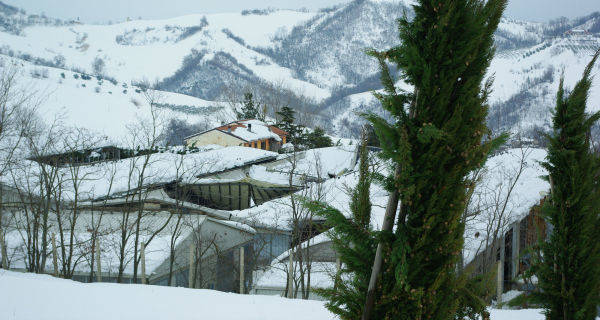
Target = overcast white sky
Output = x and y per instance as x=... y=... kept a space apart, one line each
x=105 y=10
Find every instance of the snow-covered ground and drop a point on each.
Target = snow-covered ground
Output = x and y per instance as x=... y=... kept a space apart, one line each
x=41 y=297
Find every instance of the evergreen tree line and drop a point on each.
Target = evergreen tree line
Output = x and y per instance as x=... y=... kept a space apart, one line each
x=409 y=269
x=299 y=136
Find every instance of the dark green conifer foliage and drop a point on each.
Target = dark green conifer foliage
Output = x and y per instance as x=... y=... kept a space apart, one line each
x=287 y=122
x=569 y=272
x=355 y=244
x=317 y=139
x=435 y=140
x=249 y=110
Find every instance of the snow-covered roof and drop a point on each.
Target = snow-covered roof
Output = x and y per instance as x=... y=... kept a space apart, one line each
x=107 y=178
x=248 y=130
x=320 y=162
x=278 y=214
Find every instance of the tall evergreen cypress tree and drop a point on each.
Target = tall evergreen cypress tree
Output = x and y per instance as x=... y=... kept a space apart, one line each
x=569 y=271
x=435 y=141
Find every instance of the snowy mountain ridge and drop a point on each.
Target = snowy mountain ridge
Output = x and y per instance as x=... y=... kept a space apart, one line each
x=315 y=58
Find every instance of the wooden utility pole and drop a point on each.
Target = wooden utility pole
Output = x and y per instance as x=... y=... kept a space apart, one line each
x=143 y=261
x=242 y=285
x=98 y=265
x=388 y=225
x=54 y=255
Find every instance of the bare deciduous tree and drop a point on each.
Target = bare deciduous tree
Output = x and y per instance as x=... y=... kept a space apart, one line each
x=17 y=106
x=492 y=204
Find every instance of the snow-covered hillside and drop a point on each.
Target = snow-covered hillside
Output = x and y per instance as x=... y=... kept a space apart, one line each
x=526 y=81
x=156 y=50
x=316 y=58
x=106 y=108
x=41 y=297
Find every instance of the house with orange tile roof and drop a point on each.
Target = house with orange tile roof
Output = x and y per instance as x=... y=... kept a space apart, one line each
x=248 y=133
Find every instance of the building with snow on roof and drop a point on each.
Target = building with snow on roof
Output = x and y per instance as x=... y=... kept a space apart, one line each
x=247 y=133
x=223 y=212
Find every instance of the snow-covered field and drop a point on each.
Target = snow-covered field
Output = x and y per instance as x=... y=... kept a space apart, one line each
x=41 y=297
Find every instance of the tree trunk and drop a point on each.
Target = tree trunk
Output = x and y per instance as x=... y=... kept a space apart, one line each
x=388 y=225
x=143 y=262
x=54 y=255
x=171 y=262
x=290 y=276
x=98 y=265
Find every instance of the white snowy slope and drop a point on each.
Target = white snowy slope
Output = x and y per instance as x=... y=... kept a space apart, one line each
x=41 y=297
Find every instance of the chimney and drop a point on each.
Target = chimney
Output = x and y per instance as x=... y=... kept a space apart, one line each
x=250 y=127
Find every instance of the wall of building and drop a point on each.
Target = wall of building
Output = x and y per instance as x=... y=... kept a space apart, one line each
x=266 y=144
x=215 y=242
x=214 y=137
x=512 y=249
